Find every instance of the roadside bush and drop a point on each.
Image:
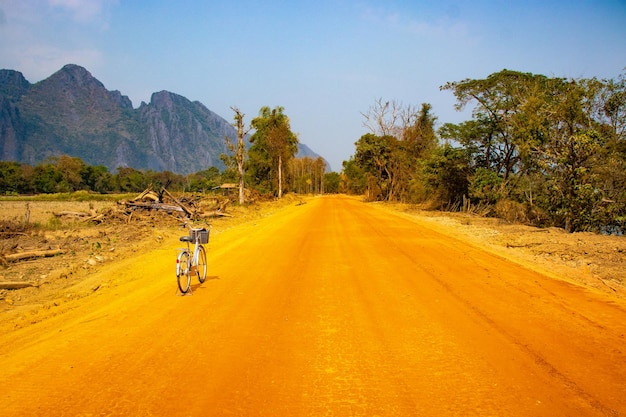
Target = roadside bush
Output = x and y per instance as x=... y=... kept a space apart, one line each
x=524 y=213
x=485 y=186
x=511 y=211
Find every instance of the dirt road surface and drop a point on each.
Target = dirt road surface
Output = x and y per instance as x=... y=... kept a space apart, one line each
x=330 y=308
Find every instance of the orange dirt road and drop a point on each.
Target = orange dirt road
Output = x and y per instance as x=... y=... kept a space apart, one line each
x=331 y=308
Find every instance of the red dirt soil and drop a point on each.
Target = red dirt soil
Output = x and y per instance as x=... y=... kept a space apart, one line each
x=333 y=307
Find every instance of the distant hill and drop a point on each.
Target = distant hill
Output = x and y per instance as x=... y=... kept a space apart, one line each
x=72 y=113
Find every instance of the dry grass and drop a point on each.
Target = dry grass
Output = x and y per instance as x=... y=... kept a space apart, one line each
x=41 y=212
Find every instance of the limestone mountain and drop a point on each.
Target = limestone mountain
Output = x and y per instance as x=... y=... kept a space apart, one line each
x=72 y=113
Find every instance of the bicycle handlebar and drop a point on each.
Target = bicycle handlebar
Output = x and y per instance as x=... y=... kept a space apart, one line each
x=189 y=226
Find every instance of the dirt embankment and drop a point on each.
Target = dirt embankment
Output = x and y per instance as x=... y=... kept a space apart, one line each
x=588 y=259
x=58 y=282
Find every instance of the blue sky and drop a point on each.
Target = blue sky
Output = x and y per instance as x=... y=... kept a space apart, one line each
x=324 y=61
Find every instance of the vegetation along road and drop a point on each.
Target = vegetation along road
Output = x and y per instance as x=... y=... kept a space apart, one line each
x=329 y=308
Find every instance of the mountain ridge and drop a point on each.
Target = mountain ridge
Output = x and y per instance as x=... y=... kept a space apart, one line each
x=73 y=113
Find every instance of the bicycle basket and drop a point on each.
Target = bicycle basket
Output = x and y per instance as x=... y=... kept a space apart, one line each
x=202 y=234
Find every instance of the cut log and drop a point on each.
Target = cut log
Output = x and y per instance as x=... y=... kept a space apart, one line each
x=16 y=285
x=153 y=206
x=152 y=196
x=182 y=206
x=12 y=257
x=78 y=214
x=215 y=213
x=147 y=195
x=11 y=234
x=143 y=194
x=96 y=219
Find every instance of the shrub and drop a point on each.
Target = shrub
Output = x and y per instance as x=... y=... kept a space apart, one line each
x=511 y=211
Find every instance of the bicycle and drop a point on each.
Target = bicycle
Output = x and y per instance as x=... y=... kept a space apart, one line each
x=189 y=263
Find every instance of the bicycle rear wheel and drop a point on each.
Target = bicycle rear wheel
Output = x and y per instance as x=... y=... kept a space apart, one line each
x=182 y=271
x=202 y=266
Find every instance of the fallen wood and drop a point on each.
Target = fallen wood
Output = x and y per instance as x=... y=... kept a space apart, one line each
x=16 y=285
x=215 y=213
x=77 y=214
x=149 y=200
x=522 y=245
x=153 y=206
x=12 y=257
x=182 y=206
x=11 y=234
x=148 y=194
x=96 y=219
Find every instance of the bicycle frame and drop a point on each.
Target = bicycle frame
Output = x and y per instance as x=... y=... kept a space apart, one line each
x=188 y=263
x=194 y=258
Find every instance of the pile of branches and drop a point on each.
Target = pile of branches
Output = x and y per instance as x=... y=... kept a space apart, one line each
x=152 y=203
x=164 y=201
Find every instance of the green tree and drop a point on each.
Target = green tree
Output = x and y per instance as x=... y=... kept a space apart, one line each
x=446 y=176
x=485 y=186
x=129 y=179
x=400 y=136
x=377 y=156
x=353 y=178
x=97 y=178
x=46 y=178
x=13 y=179
x=165 y=179
x=204 y=180
x=420 y=138
x=332 y=182
x=554 y=143
x=573 y=195
x=567 y=155
x=273 y=145
x=70 y=169
x=612 y=107
x=258 y=169
x=503 y=121
x=611 y=172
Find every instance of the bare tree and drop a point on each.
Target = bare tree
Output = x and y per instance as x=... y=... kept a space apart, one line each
x=389 y=118
x=239 y=150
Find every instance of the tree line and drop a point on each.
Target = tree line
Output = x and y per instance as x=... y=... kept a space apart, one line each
x=269 y=166
x=62 y=174
x=540 y=150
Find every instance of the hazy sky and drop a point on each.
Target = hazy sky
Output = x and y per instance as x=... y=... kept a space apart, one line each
x=323 y=61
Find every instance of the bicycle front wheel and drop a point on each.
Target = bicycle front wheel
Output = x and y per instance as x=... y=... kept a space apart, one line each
x=202 y=266
x=182 y=271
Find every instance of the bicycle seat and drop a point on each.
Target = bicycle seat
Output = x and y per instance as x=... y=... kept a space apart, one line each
x=186 y=239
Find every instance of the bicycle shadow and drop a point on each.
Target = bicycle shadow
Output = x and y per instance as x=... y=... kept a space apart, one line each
x=211 y=277
x=198 y=286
